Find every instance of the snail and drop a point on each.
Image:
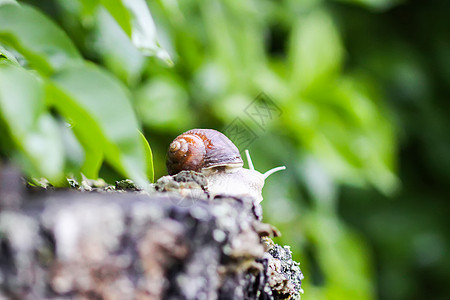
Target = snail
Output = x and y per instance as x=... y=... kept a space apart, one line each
x=211 y=153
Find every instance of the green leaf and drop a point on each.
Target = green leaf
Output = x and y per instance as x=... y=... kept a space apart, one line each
x=6 y=55
x=132 y=16
x=116 y=49
x=315 y=51
x=342 y=256
x=2 y=2
x=86 y=8
x=120 y=13
x=45 y=46
x=74 y=151
x=148 y=158
x=103 y=119
x=85 y=129
x=144 y=34
x=31 y=127
x=163 y=94
x=375 y=4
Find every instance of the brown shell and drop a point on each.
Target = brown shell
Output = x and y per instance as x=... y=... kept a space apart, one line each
x=199 y=149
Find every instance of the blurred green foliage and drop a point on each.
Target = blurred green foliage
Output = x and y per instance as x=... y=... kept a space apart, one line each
x=53 y=76
x=363 y=130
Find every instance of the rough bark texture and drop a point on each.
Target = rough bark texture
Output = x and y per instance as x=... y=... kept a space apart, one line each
x=130 y=245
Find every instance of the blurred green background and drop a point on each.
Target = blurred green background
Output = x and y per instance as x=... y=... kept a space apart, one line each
x=362 y=86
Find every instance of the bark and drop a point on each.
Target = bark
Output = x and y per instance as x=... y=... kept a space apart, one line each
x=172 y=244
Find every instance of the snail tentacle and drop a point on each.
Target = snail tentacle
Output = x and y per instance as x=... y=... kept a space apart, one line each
x=249 y=160
x=271 y=171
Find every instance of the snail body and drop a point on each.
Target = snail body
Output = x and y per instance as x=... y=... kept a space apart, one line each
x=211 y=153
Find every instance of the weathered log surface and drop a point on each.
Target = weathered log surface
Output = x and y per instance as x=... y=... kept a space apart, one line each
x=75 y=245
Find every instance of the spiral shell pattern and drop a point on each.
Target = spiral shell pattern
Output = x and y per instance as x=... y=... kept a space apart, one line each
x=199 y=149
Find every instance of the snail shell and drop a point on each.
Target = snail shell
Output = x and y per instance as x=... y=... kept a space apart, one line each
x=211 y=153
x=201 y=149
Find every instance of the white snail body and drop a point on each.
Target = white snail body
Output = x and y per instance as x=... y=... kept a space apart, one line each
x=211 y=153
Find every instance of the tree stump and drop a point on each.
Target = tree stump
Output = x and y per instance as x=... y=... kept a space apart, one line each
x=107 y=244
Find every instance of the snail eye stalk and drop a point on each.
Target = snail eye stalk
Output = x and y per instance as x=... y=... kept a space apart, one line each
x=268 y=173
x=249 y=160
x=271 y=171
